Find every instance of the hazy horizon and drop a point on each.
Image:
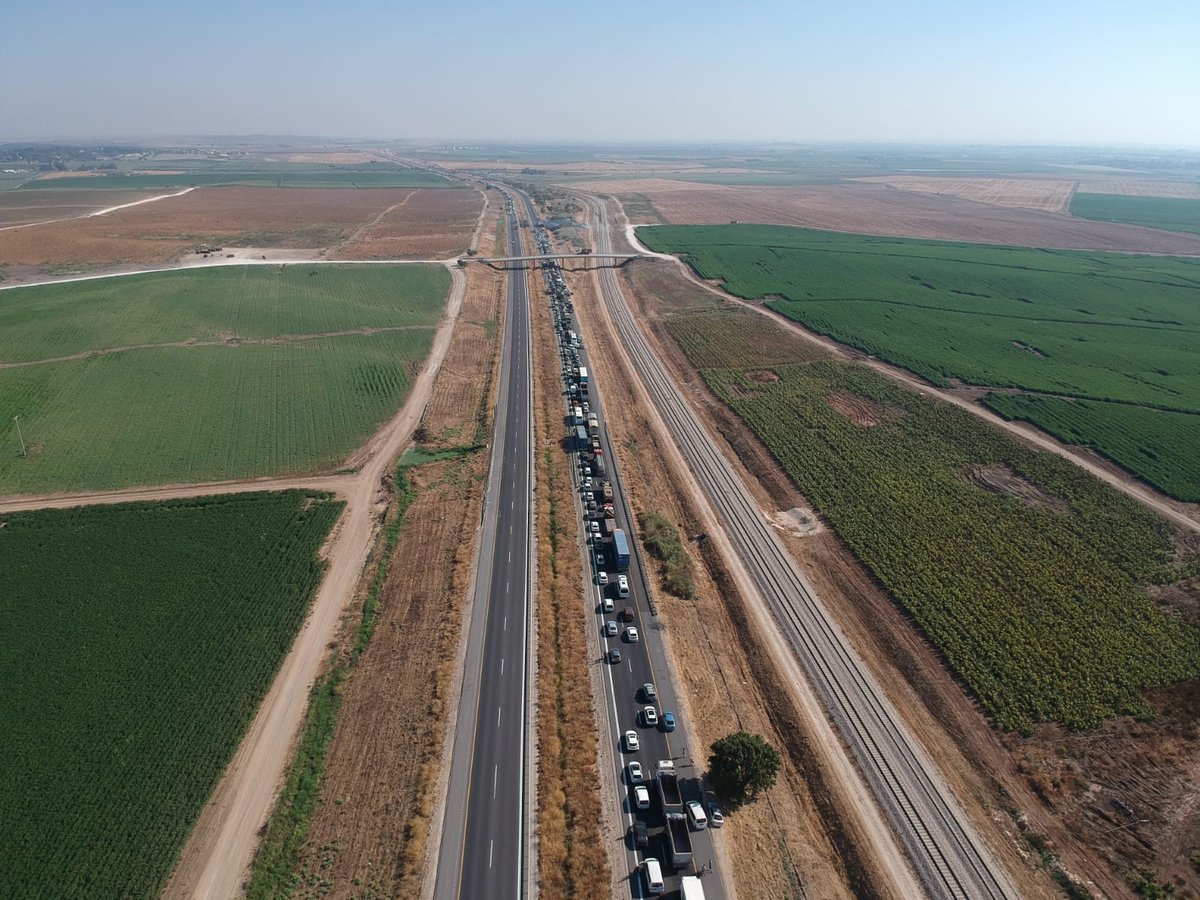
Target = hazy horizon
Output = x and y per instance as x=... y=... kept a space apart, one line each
x=1076 y=75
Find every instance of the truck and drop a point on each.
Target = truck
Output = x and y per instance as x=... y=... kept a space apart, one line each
x=668 y=786
x=583 y=378
x=578 y=410
x=679 y=839
x=598 y=465
x=620 y=550
x=593 y=426
x=607 y=490
x=581 y=438
x=691 y=888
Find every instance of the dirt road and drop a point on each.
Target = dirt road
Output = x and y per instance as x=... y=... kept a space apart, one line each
x=99 y=212
x=1178 y=514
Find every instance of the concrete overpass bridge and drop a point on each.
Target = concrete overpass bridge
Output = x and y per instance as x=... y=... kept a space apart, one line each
x=601 y=260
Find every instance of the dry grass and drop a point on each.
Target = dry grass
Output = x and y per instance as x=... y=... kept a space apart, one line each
x=1046 y=195
x=340 y=158
x=792 y=842
x=369 y=834
x=877 y=209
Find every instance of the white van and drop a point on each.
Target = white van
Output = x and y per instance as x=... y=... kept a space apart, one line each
x=622 y=586
x=654 y=876
x=696 y=815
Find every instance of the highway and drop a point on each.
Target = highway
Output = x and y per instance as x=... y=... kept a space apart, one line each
x=948 y=855
x=484 y=839
x=641 y=662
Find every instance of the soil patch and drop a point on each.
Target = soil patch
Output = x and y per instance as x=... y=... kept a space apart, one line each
x=763 y=376
x=860 y=410
x=999 y=479
x=797 y=521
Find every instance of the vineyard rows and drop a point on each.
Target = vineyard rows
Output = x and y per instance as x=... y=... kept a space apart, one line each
x=138 y=643
x=1038 y=608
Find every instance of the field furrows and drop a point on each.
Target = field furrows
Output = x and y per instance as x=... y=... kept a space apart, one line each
x=943 y=846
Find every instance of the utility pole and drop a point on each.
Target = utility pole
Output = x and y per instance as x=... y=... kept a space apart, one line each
x=20 y=437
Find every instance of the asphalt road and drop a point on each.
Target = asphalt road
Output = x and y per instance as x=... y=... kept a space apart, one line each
x=641 y=662
x=948 y=854
x=483 y=842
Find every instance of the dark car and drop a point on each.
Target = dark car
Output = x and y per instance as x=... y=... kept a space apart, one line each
x=668 y=721
x=641 y=837
x=614 y=655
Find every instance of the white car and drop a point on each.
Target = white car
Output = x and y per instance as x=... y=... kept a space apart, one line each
x=631 y=635
x=609 y=606
x=695 y=811
x=602 y=577
x=611 y=628
x=622 y=586
x=587 y=483
x=635 y=772
x=641 y=796
x=632 y=743
x=594 y=527
x=650 y=716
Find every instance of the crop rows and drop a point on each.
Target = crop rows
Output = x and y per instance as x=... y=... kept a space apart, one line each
x=139 y=641
x=735 y=339
x=211 y=304
x=1075 y=324
x=1038 y=607
x=1161 y=447
x=172 y=415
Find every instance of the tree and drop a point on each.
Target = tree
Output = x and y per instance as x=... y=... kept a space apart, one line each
x=741 y=765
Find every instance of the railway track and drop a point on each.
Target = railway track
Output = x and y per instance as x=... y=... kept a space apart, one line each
x=949 y=857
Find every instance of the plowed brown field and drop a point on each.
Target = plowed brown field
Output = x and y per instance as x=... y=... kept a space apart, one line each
x=161 y=231
x=877 y=209
x=1028 y=193
x=428 y=224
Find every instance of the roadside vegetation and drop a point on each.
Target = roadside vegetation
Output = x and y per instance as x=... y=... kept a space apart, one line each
x=273 y=371
x=1171 y=213
x=1069 y=324
x=741 y=766
x=662 y=540
x=139 y=641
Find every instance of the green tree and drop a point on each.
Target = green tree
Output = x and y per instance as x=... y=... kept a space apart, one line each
x=741 y=765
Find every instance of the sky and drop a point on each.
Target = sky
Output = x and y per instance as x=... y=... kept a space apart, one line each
x=1047 y=72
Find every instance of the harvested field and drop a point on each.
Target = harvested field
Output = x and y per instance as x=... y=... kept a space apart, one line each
x=431 y=223
x=859 y=410
x=877 y=209
x=1029 y=193
x=23 y=207
x=343 y=158
x=162 y=231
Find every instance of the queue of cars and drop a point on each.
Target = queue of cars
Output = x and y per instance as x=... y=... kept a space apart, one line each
x=599 y=525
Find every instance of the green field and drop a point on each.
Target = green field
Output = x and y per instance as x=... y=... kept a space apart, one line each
x=1170 y=213
x=138 y=643
x=1035 y=602
x=1096 y=326
x=211 y=304
x=1162 y=447
x=304 y=177
x=200 y=413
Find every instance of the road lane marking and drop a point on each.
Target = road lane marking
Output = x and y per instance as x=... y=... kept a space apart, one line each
x=495 y=777
x=498 y=711
x=491 y=847
x=501 y=666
